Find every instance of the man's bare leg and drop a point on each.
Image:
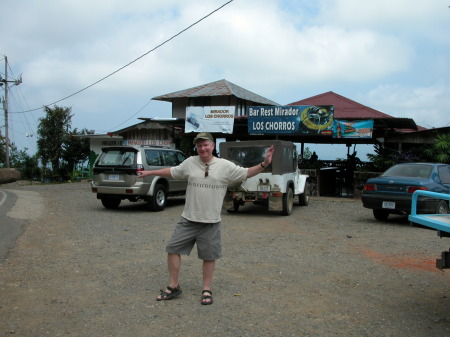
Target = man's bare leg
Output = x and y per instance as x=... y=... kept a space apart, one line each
x=208 y=273
x=173 y=265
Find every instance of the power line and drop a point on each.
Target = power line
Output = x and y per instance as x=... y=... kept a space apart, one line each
x=128 y=64
x=16 y=99
x=132 y=115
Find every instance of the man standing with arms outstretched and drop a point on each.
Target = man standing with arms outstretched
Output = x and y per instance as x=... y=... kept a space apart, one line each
x=208 y=178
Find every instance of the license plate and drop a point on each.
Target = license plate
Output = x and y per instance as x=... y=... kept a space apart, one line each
x=388 y=204
x=264 y=188
x=114 y=177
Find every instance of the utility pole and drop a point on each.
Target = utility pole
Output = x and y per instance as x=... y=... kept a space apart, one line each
x=5 y=108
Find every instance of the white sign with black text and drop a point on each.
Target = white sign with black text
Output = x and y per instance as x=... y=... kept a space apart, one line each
x=210 y=119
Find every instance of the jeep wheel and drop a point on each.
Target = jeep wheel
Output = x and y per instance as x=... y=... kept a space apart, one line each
x=158 y=201
x=288 y=202
x=303 y=199
x=110 y=203
x=235 y=208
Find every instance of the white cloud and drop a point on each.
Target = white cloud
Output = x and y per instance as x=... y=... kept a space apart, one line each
x=380 y=53
x=404 y=17
x=279 y=55
x=428 y=106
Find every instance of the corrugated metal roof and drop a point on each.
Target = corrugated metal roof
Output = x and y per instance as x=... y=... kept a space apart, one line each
x=217 y=88
x=345 y=108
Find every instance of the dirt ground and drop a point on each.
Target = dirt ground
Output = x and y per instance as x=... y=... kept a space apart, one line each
x=329 y=269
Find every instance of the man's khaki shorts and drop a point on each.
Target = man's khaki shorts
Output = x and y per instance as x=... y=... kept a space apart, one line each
x=207 y=236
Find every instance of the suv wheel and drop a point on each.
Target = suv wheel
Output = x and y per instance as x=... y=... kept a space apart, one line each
x=157 y=202
x=110 y=203
x=288 y=202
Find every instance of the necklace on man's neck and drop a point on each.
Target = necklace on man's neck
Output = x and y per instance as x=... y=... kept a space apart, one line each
x=207 y=162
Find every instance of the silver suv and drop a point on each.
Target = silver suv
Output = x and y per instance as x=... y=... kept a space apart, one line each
x=115 y=176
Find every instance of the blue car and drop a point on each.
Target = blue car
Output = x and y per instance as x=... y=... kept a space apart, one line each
x=391 y=192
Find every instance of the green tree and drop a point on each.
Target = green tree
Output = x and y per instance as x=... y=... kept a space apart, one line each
x=385 y=158
x=306 y=153
x=53 y=132
x=76 y=150
x=440 y=150
x=27 y=165
x=382 y=159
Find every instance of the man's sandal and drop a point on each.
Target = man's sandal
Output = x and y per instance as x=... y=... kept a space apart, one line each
x=207 y=297
x=165 y=295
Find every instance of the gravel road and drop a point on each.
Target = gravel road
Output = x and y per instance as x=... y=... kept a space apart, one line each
x=329 y=269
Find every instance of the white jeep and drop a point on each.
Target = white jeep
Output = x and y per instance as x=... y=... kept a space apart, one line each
x=277 y=186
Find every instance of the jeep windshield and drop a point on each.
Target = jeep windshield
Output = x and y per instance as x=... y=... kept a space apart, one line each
x=117 y=157
x=247 y=156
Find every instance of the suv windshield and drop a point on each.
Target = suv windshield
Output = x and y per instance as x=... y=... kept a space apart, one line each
x=115 y=157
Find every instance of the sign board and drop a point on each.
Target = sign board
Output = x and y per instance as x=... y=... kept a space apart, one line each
x=210 y=119
x=296 y=119
x=148 y=142
x=352 y=128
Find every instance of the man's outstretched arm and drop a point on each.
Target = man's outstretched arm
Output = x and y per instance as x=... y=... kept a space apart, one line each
x=165 y=172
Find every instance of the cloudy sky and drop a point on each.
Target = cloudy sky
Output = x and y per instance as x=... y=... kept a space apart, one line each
x=390 y=55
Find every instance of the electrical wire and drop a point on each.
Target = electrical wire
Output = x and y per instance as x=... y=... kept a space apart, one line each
x=29 y=133
x=132 y=115
x=128 y=64
x=23 y=119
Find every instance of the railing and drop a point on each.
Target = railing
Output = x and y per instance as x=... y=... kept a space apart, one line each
x=441 y=222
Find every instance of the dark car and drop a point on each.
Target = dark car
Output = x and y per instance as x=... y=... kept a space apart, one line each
x=391 y=192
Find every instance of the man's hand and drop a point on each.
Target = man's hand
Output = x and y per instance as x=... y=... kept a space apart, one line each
x=254 y=170
x=143 y=173
x=268 y=159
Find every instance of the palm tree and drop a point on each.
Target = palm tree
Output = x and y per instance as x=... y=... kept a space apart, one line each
x=440 y=150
